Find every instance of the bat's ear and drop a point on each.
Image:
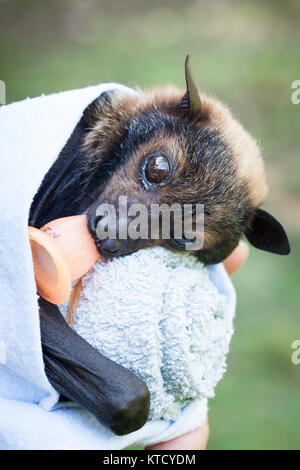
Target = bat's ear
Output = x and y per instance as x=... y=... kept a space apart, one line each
x=266 y=233
x=97 y=108
x=190 y=103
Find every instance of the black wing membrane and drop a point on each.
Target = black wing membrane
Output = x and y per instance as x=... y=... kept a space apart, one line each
x=114 y=395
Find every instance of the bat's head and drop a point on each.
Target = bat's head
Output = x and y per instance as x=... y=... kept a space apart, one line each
x=175 y=147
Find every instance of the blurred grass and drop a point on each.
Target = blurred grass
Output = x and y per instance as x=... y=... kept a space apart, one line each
x=257 y=402
x=247 y=53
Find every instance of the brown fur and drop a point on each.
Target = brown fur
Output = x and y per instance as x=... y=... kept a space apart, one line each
x=107 y=129
x=245 y=181
x=246 y=152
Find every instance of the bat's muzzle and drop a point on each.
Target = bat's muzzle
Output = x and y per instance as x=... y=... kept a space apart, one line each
x=113 y=248
x=109 y=243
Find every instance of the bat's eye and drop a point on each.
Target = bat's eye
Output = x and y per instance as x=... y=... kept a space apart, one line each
x=157 y=168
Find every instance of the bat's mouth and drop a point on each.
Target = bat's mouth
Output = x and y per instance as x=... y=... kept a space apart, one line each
x=111 y=247
x=114 y=248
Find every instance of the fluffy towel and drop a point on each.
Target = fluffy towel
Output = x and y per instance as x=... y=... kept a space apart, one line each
x=32 y=133
x=165 y=321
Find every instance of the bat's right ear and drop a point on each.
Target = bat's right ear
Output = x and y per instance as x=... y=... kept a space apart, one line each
x=266 y=233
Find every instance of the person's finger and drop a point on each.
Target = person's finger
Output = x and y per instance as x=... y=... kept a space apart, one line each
x=237 y=258
x=194 y=440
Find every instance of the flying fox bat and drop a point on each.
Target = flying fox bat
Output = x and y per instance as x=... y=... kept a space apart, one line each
x=165 y=146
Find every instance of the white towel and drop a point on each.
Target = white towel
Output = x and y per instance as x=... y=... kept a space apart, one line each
x=158 y=314
x=32 y=133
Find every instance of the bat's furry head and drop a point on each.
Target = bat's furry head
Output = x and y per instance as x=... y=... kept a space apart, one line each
x=195 y=152
x=170 y=146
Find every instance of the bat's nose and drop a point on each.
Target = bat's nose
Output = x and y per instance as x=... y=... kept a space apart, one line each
x=105 y=232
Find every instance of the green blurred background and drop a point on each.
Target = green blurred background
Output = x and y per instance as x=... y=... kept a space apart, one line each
x=247 y=53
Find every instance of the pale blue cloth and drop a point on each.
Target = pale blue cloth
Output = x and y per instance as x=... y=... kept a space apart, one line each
x=32 y=133
x=158 y=314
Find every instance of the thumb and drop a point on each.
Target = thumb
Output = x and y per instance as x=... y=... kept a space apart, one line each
x=236 y=259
